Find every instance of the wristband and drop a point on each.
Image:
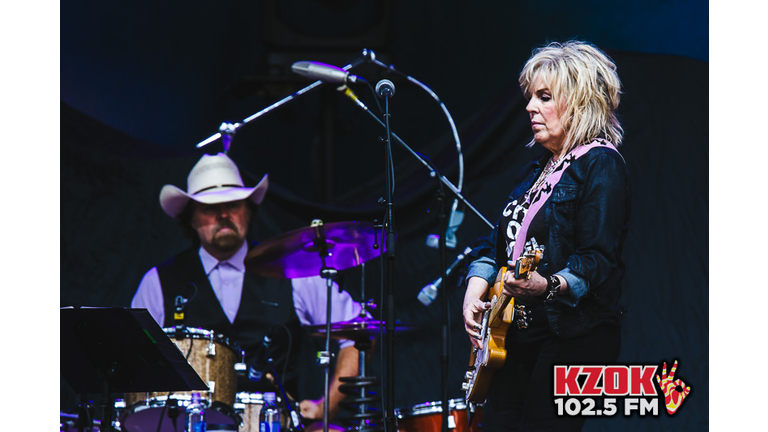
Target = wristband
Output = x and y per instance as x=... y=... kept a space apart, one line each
x=553 y=288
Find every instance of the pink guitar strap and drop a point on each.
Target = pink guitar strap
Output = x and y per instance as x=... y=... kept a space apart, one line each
x=544 y=192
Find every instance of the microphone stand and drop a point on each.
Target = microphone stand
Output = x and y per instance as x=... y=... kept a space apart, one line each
x=389 y=302
x=390 y=254
x=444 y=357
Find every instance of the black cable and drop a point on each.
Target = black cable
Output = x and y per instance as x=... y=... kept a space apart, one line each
x=373 y=91
x=162 y=412
x=288 y=354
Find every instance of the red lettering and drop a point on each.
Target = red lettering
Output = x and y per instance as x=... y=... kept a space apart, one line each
x=565 y=381
x=593 y=377
x=642 y=380
x=616 y=380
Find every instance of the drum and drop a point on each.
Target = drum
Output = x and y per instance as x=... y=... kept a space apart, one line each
x=160 y=414
x=248 y=406
x=427 y=417
x=213 y=357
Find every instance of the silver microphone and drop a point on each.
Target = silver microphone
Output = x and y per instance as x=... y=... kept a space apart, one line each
x=324 y=72
x=428 y=294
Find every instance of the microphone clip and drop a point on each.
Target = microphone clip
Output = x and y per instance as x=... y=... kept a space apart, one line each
x=385 y=89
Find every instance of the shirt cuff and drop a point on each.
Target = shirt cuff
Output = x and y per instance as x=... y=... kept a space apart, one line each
x=346 y=343
x=483 y=267
x=577 y=287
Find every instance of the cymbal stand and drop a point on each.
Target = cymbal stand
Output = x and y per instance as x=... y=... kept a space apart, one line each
x=324 y=357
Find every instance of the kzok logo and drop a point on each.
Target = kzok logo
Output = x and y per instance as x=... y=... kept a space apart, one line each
x=616 y=381
x=576 y=387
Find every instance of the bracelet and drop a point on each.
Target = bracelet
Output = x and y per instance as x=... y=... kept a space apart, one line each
x=553 y=288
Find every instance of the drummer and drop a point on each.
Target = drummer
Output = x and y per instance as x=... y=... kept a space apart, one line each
x=217 y=293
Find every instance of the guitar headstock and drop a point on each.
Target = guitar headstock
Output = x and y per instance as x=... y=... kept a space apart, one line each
x=529 y=259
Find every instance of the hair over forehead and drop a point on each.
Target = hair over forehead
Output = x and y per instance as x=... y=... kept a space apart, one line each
x=585 y=82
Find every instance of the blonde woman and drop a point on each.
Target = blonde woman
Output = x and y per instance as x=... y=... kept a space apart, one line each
x=575 y=203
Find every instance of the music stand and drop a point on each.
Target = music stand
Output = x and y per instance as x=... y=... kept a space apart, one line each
x=121 y=350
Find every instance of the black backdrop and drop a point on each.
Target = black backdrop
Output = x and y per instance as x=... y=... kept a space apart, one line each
x=142 y=82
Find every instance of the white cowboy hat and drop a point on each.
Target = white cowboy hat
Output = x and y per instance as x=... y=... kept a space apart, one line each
x=214 y=179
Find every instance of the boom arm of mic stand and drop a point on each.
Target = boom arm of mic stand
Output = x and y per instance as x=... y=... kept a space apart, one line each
x=442 y=178
x=234 y=128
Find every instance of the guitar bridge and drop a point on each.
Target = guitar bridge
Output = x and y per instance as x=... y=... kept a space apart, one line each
x=522 y=317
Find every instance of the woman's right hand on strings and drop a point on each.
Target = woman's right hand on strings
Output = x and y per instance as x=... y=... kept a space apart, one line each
x=474 y=307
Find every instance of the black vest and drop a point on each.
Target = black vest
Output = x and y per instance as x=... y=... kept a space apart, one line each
x=266 y=308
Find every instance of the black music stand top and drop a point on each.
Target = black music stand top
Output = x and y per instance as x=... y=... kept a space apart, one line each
x=123 y=350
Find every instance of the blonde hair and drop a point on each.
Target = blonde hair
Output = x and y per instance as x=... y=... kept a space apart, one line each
x=584 y=79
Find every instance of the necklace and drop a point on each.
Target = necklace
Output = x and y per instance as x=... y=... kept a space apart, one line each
x=548 y=170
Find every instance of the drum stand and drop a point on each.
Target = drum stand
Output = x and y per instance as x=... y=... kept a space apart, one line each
x=356 y=387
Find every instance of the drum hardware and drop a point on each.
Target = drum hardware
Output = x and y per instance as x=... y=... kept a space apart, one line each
x=241 y=369
x=320 y=249
x=362 y=331
x=210 y=350
x=358 y=388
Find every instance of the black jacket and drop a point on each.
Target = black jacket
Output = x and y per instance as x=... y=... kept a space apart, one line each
x=583 y=226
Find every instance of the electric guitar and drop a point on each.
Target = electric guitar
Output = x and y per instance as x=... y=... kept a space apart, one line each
x=484 y=361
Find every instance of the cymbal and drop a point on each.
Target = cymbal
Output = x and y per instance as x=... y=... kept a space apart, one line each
x=298 y=253
x=358 y=328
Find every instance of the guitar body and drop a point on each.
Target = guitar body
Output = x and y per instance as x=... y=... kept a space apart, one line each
x=483 y=362
x=492 y=356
